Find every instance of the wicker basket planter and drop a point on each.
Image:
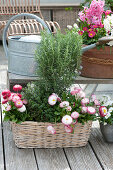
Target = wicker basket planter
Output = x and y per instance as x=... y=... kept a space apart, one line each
x=31 y=134
x=98 y=63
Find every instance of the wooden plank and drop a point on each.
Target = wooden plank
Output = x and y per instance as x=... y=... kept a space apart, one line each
x=51 y=159
x=82 y=158
x=103 y=150
x=17 y=159
x=1 y=147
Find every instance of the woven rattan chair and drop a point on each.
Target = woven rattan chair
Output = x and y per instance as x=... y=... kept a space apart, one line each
x=23 y=26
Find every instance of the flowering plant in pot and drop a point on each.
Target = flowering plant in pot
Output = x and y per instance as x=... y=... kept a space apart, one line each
x=53 y=111
x=106 y=118
x=95 y=23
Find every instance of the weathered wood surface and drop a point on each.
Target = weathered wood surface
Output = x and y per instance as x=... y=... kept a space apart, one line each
x=17 y=159
x=1 y=147
x=103 y=150
x=82 y=158
x=51 y=159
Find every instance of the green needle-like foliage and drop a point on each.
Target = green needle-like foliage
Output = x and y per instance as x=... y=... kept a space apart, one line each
x=58 y=57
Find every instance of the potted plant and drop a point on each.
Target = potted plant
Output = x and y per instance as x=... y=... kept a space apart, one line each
x=106 y=118
x=95 y=23
x=54 y=116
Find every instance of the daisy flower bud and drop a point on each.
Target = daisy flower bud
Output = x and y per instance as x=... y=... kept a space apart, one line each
x=74 y=115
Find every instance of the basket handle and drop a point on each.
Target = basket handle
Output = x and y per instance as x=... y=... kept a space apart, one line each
x=17 y=16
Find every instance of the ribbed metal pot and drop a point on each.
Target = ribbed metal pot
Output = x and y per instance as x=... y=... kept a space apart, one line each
x=21 y=54
x=107 y=132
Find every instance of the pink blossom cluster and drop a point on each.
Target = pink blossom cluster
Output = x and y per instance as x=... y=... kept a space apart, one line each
x=71 y=117
x=92 y=18
x=16 y=98
x=93 y=14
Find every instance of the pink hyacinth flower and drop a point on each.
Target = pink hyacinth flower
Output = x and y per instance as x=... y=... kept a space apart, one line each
x=91 y=110
x=67 y=120
x=103 y=111
x=84 y=109
x=4 y=101
x=96 y=102
x=17 y=87
x=51 y=129
x=69 y=108
x=18 y=103
x=84 y=101
x=25 y=101
x=8 y=108
x=6 y=92
x=15 y=98
x=68 y=129
x=64 y=104
x=74 y=115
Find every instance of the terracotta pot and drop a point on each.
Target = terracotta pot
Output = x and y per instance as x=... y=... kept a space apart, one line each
x=98 y=63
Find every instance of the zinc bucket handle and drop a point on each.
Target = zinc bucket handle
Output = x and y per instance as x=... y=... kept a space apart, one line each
x=17 y=16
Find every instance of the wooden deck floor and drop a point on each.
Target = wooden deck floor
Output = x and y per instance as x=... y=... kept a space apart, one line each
x=96 y=155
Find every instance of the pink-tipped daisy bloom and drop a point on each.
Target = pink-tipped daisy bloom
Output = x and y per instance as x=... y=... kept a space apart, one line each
x=52 y=100
x=51 y=129
x=58 y=98
x=64 y=104
x=84 y=109
x=96 y=102
x=18 y=103
x=8 y=108
x=91 y=34
x=91 y=110
x=68 y=129
x=74 y=115
x=17 y=87
x=15 y=98
x=103 y=111
x=67 y=120
x=6 y=92
x=69 y=108
x=84 y=101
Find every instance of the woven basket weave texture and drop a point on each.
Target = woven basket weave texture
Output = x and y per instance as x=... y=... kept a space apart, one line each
x=31 y=134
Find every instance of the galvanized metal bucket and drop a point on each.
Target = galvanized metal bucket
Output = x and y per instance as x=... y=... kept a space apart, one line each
x=21 y=54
